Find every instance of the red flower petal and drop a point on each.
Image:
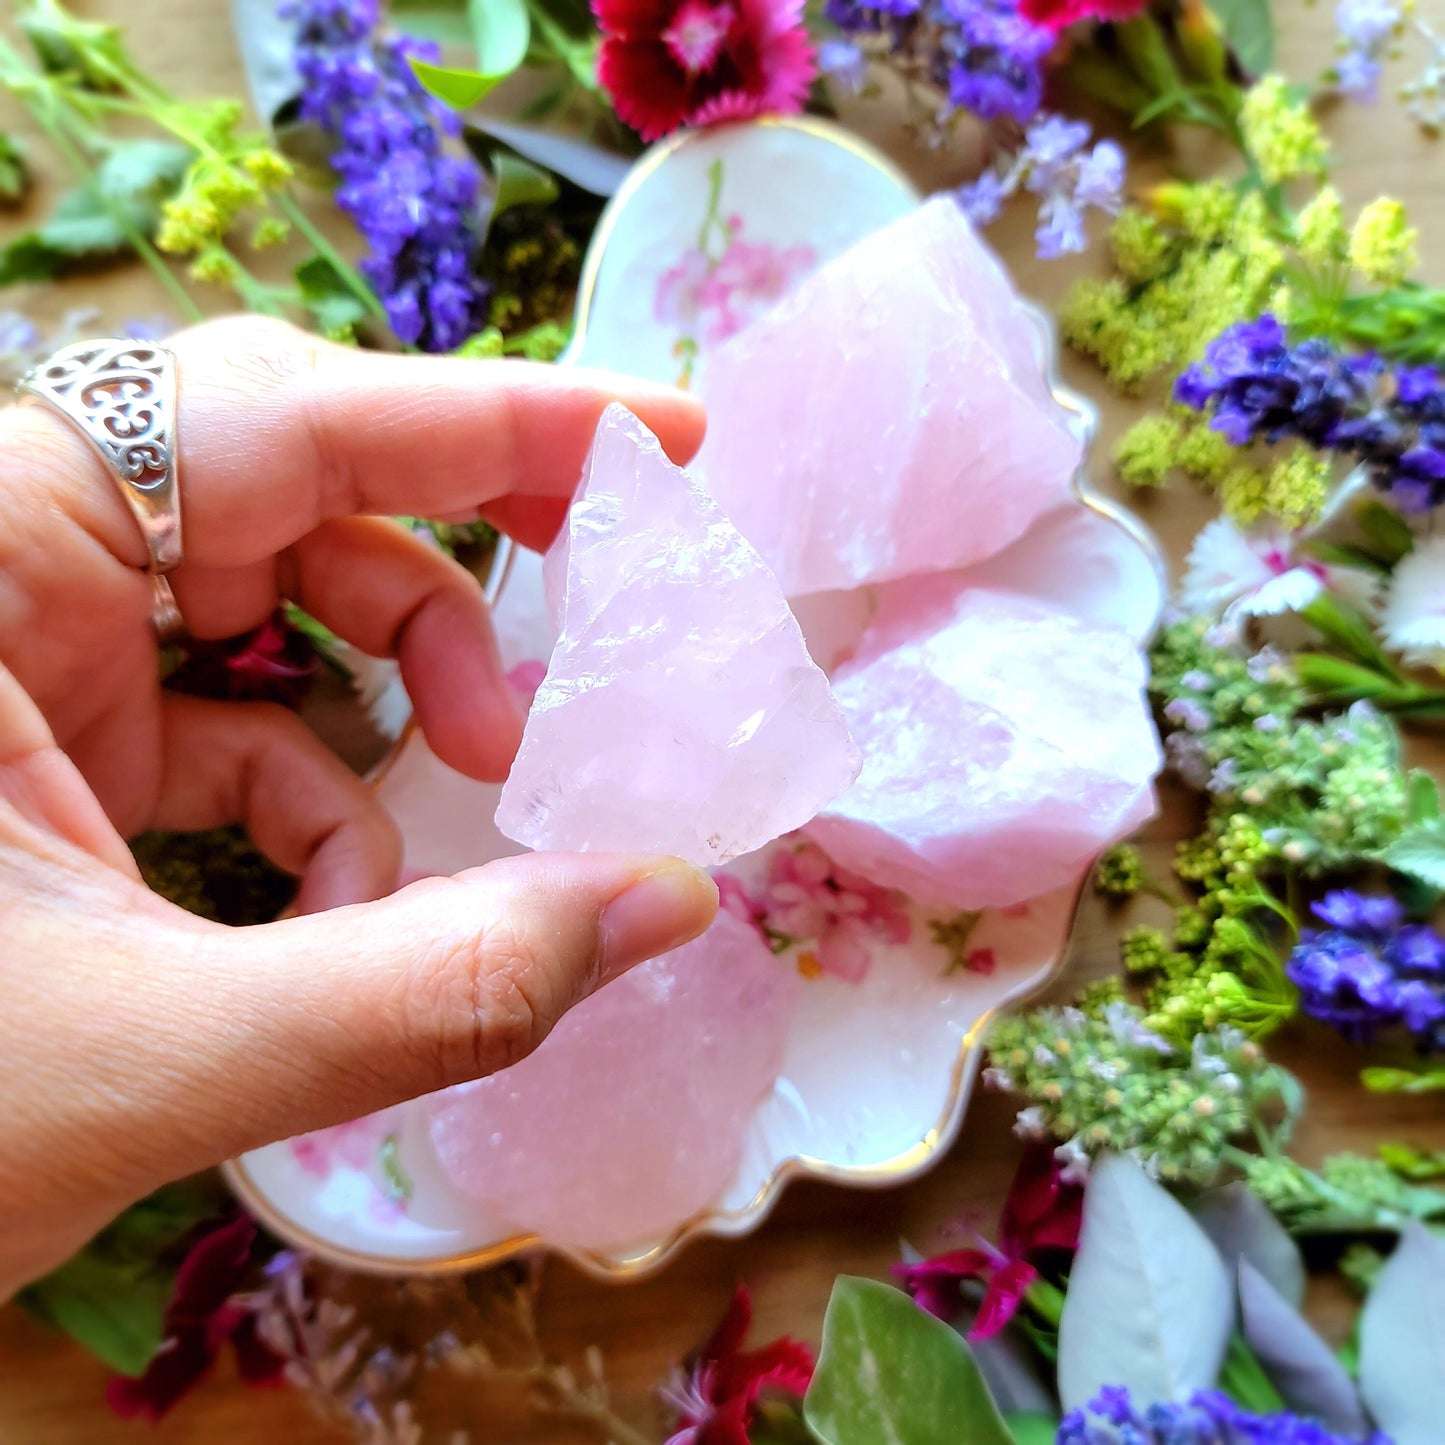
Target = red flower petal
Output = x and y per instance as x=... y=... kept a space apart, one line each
x=1002 y=1298
x=1057 y=15
x=633 y=19
x=1041 y=1211
x=649 y=92
x=727 y=1339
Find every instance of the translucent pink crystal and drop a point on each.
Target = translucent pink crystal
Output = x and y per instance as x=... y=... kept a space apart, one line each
x=888 y=416
x=630 y=1117
x=1005 y=743
x=681 y=712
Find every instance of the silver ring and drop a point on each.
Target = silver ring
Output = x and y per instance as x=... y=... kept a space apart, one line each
x=121 y=396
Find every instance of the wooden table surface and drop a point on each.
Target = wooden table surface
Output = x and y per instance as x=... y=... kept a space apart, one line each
x=50 y=1392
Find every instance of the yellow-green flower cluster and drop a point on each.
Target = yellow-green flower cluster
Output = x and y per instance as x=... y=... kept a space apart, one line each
x=1383 y=244
x=216 y=874
x=1350 y=1193
x=229 y=175
x=1319 y=229
x=1119 y=872
x=1279 y=132
x=1199 y=259
x=1106 y=1081
x=1292 y=488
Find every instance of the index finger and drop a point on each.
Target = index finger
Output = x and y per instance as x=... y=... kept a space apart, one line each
x=278 y=431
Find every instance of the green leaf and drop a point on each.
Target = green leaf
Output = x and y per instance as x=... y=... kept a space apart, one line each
x=1419 y=852
x=336 y=308
x=1147 y=52
x=115 y=1310
x=459 y=89
x=502 y=30
x=891 y=1374
x=1424 y=797
x=1029 y=1427
x=520 y=183
x=1348 y=630
x=30 y=258
x=1249 y=30
x=138 y=170
x=1386 y=528
x=1335 y=679
x=13 y=178
x=1402 y=1081
x=1416 y=1165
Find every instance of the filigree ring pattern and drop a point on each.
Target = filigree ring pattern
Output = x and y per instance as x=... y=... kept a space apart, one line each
x=121 y=396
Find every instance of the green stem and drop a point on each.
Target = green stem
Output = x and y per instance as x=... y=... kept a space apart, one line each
x=323 y=248
x=1046 y=1301
x=1243 y=1379
x=138 y=239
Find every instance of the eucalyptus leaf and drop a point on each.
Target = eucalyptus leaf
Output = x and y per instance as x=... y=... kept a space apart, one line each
x=1419 y=852
x=1249 y=29
x=268 y=55
x=1302 y=1366
x=890 y=1374
x=444 y=21
x=1243 y=1227
x=1402 y=1341
x=501 y=31
x=594 y=168
x=1150 y=1303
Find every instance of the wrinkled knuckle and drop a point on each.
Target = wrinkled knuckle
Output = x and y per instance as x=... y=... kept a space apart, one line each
x=516 y=1003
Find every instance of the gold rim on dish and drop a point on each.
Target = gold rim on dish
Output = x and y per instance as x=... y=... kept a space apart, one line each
x=917 y=1158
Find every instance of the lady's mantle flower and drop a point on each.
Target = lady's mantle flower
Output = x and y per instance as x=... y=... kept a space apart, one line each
x=1280 y=133
x=1069 y=176
x=669 y=63
x=984 y=55
x=1209 y=1418
x=1369 y=971
x=413 y=200
x=1383 y=243
x=1412 y=620
x=838 y=914
x=200 y=1318
x=1040 y=1217
x=716 y=1393
x=1259 y=386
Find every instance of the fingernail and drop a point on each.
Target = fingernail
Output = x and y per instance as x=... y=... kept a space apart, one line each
x=662 y=910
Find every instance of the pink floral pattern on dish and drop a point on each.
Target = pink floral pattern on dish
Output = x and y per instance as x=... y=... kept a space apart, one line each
x=835 y=918
x=714 y=289
x=352 y=1145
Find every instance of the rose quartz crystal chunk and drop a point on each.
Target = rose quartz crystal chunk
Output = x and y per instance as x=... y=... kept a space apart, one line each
x=631 y=1115
x=681 y=712
x=888 y=416
x=1005 y=743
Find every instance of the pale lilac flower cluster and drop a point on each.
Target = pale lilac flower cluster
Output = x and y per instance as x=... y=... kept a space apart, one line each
x=1057 y=164
x=1369 y=32
x=413 y=199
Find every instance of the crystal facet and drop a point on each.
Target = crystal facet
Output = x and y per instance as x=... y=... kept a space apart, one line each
x=681 y=712
x=631 y=1114
x=889 y=416
x=1005 y=743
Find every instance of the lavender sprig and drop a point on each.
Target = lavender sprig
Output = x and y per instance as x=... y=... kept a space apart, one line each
x=413 y=200
x=1392 y=419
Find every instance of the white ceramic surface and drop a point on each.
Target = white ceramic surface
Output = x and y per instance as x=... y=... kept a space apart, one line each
x=878 y=1069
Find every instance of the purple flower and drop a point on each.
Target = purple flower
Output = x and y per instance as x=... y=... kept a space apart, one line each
x=1367 y=30
x=1370 y=971
x=1259 y=386
x=983 y=199
x=1209 y=1418
x=982 y=53
x=414 y=201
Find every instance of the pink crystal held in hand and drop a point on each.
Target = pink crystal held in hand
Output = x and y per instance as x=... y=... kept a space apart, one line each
x=631 y=1115
x=1005 y=743
x=888 y=416
x=681 y=712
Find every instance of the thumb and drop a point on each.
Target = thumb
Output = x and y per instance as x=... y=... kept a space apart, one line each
x=334 y=1015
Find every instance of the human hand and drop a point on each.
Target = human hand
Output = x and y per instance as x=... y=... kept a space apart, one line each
x=139 y=1043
